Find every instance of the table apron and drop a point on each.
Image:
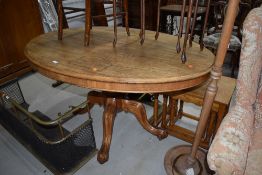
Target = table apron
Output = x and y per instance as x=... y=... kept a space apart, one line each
x=125 y=87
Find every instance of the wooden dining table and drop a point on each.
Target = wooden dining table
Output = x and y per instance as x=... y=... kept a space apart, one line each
x=154 y=67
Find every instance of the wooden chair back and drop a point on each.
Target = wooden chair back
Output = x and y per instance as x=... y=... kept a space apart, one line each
x=189 y=7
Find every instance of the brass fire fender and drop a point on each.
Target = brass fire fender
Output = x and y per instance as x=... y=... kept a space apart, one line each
x=60 y=119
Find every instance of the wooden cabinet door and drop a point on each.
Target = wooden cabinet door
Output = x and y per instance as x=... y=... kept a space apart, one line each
x=20 y=21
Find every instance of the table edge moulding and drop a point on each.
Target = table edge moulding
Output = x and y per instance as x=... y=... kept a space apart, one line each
x=150 y=59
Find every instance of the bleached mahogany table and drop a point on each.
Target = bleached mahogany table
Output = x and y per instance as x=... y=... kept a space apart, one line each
x=154 y=67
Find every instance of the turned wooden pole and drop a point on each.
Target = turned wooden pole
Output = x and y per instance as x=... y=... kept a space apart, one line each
x=87 y=22
x=141 y=18
x=205 y=25
x=189 y=14
x=158 y=19
x=126 y=16
x=115 y=25
x=216 y=72
x=60 y=19
x=194 y=23
x=178 y=45
x=142 y=31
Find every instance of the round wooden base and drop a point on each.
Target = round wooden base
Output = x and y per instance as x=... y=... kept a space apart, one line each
x=174 y=153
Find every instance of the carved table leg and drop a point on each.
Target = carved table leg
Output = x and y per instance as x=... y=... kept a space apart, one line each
x=139 y=111
x=112 y=103
x=108 y=123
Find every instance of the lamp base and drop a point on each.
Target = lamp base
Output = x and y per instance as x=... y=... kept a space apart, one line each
x=176 y=162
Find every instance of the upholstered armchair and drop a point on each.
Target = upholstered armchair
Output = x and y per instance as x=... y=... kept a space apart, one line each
x=237 y=146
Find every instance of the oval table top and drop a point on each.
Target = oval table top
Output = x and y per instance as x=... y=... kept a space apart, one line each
x=129 y=67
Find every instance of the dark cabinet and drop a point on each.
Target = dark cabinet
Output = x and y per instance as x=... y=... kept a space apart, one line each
x=150 y=14
x=20 y=21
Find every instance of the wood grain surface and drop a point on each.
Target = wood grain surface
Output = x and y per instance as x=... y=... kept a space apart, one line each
x=129 y=67
x=226 y=86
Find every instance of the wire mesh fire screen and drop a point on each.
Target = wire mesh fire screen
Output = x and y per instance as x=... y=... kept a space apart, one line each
x=62 y=151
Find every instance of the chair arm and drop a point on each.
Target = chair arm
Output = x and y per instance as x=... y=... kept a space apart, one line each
x=228 y=152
